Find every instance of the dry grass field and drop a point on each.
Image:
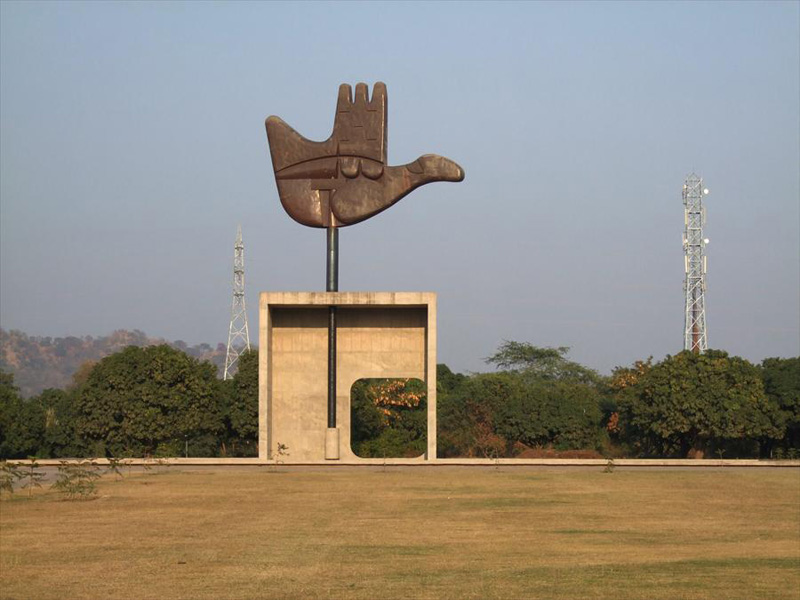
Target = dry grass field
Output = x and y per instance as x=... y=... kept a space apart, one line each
x=445 y=532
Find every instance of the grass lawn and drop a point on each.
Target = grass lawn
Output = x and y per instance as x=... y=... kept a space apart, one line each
x=446 y=532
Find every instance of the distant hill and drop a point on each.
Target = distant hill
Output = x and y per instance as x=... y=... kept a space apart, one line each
x=39 y=363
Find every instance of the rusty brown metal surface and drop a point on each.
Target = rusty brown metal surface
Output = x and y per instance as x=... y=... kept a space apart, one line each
x=345 y=179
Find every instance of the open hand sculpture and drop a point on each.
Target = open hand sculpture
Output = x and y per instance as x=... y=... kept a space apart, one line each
x=345 y=179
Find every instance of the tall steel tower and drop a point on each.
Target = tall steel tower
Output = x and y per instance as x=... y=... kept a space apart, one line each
x=238 y=334
x=695 y=336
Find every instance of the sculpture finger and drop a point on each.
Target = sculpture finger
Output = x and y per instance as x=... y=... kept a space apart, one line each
x=360 y=123
x=361 y=198
x=361 y=100
x=433 y=167
x=345 y=99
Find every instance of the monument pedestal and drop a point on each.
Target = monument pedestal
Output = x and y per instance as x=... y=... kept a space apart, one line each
x=332 y=443
x=379 y=335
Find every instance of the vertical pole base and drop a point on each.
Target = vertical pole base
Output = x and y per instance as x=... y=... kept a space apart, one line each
x=332 y=443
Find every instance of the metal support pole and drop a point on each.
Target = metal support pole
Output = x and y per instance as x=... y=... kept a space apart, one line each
x=332 y=272
x=332 y=286
x=331 y=367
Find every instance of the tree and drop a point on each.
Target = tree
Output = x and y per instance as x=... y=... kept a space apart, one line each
x=782 y=386
x=618 y=385
x=563 y=414
x=80 y=376
x=470 y=416
x=240 y=407
x=560 y=404
x=507 y=408
x=388 y=417
x=453 y=424
x=623 y=378
x=21 y=422
x=538 y=398
x=548 y=364
x=447 y=381
x=691 y=404
x=152 y=400
x=58 y=432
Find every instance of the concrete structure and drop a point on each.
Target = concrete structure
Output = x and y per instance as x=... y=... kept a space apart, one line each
x=379 y=334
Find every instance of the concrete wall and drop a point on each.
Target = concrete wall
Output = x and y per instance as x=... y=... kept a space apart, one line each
x=379 y=334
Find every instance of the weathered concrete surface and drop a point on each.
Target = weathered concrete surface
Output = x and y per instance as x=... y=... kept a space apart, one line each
x=379 y=334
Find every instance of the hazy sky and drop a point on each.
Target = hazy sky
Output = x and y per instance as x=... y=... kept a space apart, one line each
x=133 y=143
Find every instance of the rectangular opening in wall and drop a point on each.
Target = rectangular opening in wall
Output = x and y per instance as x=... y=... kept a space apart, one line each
x=388 y=417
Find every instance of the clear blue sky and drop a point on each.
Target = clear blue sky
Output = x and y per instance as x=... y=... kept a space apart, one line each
x=132 y=143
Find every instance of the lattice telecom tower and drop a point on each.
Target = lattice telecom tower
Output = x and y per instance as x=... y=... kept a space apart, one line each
x=238 y=334
x=695 y=336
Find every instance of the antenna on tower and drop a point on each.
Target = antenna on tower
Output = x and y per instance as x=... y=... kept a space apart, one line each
x=695 y=337
x=238 y=334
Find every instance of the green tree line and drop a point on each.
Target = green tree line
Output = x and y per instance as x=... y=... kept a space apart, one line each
x=687 y=405
x=151 y=401
x=159 y=401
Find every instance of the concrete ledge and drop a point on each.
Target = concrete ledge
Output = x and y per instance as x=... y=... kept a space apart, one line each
x=442 y=462
x=305 y=299
x=150 y=462
x=620 y=462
